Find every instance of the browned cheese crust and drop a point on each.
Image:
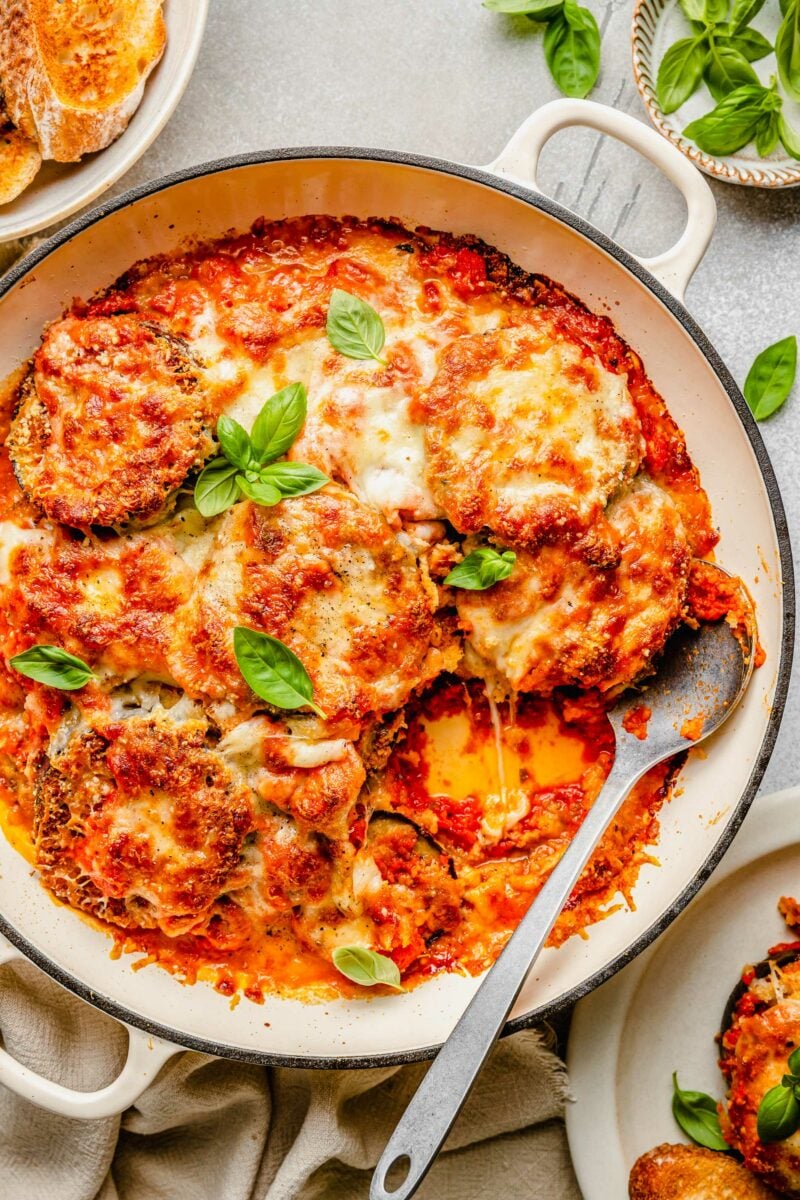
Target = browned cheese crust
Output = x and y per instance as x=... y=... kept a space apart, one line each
x=755 y=1064
x=326 y=575
x=561 y=620
x=110 y=421
x=142 y=827
x=527 y=434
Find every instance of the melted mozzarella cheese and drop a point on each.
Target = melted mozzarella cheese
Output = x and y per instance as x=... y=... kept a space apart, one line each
x=12 y=536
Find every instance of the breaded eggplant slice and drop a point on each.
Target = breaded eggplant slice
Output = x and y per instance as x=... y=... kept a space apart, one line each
x=142 y=826
x=760 y=1029
x=398 y=891
x=327 y=576
x=110 y=421
x=561 y=621
x=527 y=434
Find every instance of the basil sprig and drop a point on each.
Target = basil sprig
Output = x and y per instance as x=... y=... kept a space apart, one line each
x=572 y=49
x=53 y=666
x=354 y=328
x=481 y=569
x=789 y=136
x=771 y=378
x=726 y=70
x=273 y=672
x=743 y=12
x=247 y=465
x=750 y=43
x=696 y=1113
x=779 y=1111
x=537 y=10
x=681 y=71
x=736 y=120
x=787 y=50
x=571 y=40
x=367 y=967
x=719 y=52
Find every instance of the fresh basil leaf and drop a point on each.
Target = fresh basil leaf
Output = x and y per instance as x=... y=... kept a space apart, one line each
x=743 y=13
x=680 y=72
x=481 y=569
x=353 y=327
x=716 y=11
x=771 y=378
x=53 y=666
x=293 y=478
x=265 y=494
x=794 y=1061
x=234 y=442
x=787 y=51
x=216 y=488
x=545 y=14
x=790 y=137
x=733 y=123
x=539 y=10
x=272 y=670
x=751 y=44
x=694 y=10
x=767 y=135
x=726 y=70
x=572 y=50
x=367 y=967
x=696 y=1113
x=279 y=422
x=778 y=1114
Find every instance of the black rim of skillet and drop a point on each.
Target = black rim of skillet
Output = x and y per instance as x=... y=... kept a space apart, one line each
x=535 y=200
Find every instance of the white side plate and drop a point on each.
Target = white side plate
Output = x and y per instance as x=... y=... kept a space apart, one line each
x=61 y=188
x=660 y=1014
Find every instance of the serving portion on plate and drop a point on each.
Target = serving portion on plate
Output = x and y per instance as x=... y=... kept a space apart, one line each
x=758 y=1118
x=721 y=1071
x=325 y=548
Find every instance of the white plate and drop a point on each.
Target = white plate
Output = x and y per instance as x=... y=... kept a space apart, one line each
x=661 y=1013
x=61 y=188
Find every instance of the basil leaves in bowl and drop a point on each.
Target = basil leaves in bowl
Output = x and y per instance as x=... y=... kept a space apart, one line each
x=721 y=80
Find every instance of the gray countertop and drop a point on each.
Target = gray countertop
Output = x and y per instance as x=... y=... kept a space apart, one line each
x=446 y=77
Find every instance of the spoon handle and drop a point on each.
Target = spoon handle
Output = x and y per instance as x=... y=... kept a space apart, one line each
x=439 y=1098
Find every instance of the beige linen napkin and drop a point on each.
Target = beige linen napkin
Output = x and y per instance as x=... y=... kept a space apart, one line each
x=219 y=1130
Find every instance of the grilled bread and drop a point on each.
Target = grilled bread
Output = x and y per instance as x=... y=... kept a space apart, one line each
x=20 y=159
x=74 y=72
x=692 y=1173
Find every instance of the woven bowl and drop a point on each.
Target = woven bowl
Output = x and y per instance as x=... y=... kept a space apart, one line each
x=659 y=23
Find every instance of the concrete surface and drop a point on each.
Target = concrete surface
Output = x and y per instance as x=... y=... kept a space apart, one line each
x=448 y=78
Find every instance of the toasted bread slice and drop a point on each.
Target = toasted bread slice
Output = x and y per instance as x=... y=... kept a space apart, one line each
x=20 y=159
x=74 y=71
x=692 y=1173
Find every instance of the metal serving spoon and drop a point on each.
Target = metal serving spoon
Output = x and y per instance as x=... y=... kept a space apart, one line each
x=701 y=677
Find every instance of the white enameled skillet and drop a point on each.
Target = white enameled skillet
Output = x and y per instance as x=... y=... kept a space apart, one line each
x=501 y=204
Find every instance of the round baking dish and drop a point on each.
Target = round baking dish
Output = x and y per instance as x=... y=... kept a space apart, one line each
x=500 y=204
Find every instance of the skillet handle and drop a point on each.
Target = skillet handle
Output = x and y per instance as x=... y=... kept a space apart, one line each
x=520 y=160
x=146 y=1057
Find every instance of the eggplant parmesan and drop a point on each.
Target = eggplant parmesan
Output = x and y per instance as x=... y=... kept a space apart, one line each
x=456 y=737
x=760 y=1030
